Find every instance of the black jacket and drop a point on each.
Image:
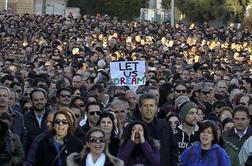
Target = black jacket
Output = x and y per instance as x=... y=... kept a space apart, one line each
x=168 y=143
x=33 y=128
x=47 y=153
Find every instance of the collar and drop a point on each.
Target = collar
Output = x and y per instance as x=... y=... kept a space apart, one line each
x=42 y=114
x=240 y=134
x=196 y=128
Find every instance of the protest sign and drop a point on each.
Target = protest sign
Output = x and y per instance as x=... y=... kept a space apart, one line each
x=128 y=73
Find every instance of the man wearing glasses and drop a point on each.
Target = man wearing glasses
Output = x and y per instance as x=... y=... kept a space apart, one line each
x=93 y=110
x=63 y=98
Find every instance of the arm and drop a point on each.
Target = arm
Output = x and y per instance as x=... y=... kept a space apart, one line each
x=125 y=151
x=174 y=149
x=153 y=156
x=224 y=160
x=244 y=153
x=18 y=154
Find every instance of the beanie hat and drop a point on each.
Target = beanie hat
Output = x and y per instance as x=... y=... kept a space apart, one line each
x=180 y=100
x=184 y=108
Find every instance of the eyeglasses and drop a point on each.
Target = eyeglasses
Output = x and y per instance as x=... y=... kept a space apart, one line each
x=96 y=140
x=63 y=122
x=94 y=112
x=179 y=91
x=68 y=96
x=119 y=111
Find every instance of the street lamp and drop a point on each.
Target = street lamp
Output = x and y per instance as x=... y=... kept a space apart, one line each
x=172 y=13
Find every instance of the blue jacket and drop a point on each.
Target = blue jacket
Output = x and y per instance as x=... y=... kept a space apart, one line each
x=216 y=156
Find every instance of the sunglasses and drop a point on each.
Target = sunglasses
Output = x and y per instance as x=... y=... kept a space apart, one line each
x=179 y=91
x=119 y=111
x=68 y=96
x=63 y=122
x=94 y=112
x=97 y=140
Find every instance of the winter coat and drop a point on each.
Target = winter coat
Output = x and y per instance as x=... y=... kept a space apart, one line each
x=246 y=152
x=233 y=144
x=32 y=127
x=75 y=160
x=148 y=155
x=11 y=150
x=46 y=153
x=216 y=156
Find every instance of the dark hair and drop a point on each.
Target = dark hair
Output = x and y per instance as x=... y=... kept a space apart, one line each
x=209 y=124
x=128 y=130
x=172 y=114
x=97 y=86
x=145 y=96
x=165 y=90
x=106 y=114
x=63 y=89
x=70 y=123
x=225 y=121
x=92 y=103
x=38 y=90
x=219 y=104
x=241 y=108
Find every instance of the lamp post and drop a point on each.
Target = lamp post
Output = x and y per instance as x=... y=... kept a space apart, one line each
x=6 y=5
x=172 y=13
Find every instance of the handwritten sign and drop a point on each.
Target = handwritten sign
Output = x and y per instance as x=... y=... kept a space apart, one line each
x=128 y=73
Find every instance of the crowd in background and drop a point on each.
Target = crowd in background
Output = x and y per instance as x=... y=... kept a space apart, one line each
x=59 y=106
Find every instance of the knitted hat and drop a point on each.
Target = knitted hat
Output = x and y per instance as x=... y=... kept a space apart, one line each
x=184 y=108
x=180 y=100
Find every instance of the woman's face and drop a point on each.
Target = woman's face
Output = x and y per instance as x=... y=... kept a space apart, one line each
x=174 y=122
x=228 y=126
x=61 y=125
x=200 y=115
x=106 y=125
x=96 y=143
x=137 y=129
x=206 y=137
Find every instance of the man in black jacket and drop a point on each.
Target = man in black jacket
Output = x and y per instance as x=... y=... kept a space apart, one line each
x=35 y=120
x=159 y=129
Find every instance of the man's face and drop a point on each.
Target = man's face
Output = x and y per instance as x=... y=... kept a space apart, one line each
x=121 y=111
x=93 y=114
x=64 y=98
x=76 y=82
x=12 y=99
x=179 y=91
x=4 y=98
x=185 y=75
x=222 y=88
x=132 y=98
x=49 y=121
x=148 y=110
x=191 y=117
x=155 y=92
x=241 y=120
x=38 y=100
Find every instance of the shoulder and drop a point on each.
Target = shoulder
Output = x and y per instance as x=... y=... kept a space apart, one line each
x=71 y=159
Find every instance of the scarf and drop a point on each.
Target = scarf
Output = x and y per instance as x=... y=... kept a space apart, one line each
x=100 y=161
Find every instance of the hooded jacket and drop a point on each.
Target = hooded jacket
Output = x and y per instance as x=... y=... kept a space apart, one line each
x=216 y=156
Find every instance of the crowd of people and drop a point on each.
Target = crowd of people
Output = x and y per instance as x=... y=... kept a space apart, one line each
x=59 y=106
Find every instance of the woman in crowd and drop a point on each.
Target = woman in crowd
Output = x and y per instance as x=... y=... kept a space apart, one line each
x=95 y=153
x=207 y=151
x=106 y=123
x=138 y=148
x=59 y=143
x=173 y=120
